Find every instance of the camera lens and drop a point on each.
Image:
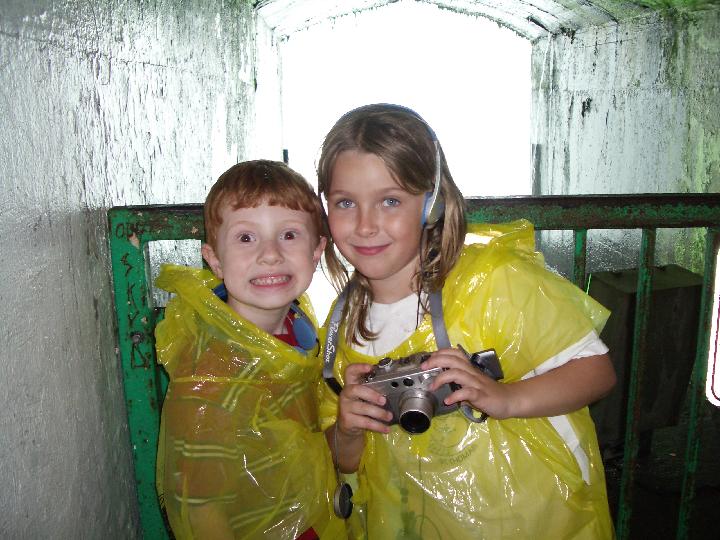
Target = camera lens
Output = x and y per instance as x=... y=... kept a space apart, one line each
x=417 y=407
x=414 y=422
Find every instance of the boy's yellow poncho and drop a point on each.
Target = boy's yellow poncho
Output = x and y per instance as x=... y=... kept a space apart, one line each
x=515 y=478
x=240 y=452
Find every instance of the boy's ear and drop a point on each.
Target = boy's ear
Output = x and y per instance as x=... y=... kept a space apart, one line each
x=208 y=254
x=317 y=253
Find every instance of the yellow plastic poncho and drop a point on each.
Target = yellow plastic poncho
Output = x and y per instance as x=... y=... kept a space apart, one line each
x=515 y=478
x=240 y=453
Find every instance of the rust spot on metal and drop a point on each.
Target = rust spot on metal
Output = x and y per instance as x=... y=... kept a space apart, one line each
x=134 y=241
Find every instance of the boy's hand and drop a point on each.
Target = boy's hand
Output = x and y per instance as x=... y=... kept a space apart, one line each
x=360 y=408
x=477 y=389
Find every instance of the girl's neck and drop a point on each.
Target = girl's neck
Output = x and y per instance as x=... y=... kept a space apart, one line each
x=386 y=294
x=396 y=286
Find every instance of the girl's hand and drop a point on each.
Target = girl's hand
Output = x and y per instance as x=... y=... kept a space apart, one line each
x=566 y=388
x=360 y=408
x=477 y=389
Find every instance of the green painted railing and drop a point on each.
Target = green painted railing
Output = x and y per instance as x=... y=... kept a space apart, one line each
x=132 y=228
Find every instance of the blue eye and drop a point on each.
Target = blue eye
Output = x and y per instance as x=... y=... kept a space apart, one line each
x=345 y=203
x=391 y=201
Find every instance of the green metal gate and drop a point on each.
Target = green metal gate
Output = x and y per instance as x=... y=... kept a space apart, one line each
x=133 y=228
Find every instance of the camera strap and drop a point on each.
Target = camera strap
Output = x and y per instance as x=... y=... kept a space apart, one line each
x=342 y=498
x=436 y=313
x=331 y=340
x=443 y=342
x=438 y=322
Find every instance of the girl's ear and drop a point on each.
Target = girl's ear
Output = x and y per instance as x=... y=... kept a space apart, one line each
x=318 y=251
x=211 y=258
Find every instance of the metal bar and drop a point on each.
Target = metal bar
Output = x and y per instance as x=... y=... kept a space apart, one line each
x=580 y=258
x=565 y=212
x=697 y=385
x=135 y=322
x=568 y=212
x=131 y=228
x=637 y=367
x=162 y=222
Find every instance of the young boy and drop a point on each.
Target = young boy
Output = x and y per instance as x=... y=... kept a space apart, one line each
x=240 y=453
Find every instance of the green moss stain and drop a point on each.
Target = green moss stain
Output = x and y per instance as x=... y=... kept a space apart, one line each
x=702 y=151
x=689 y=249
x=701 y=75
x=692 y=61
x=674 y=4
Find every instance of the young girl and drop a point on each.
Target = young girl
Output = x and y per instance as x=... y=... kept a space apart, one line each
x=533 y=469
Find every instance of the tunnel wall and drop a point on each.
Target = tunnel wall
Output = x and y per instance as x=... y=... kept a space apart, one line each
x=103 y=103
x=630 y=108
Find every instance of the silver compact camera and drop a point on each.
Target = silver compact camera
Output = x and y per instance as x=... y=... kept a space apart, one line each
x=406 y=388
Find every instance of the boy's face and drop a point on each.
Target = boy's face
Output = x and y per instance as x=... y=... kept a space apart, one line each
x=266 y=257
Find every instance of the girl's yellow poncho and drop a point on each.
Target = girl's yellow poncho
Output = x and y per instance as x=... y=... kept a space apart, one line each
x=240 y=452
x=539 y=478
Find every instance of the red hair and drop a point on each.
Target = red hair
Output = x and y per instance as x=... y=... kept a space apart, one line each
x=252 y=183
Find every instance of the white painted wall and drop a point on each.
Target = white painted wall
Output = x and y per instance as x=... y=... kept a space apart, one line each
x=102 y=103
x=631 y=108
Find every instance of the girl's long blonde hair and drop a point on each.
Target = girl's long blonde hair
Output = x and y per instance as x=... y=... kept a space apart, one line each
x=406 y=144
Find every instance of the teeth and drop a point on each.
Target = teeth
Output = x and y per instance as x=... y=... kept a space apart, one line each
x=270 y=280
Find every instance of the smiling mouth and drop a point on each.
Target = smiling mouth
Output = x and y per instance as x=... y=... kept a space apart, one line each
x=269 y=281
x=370 y=250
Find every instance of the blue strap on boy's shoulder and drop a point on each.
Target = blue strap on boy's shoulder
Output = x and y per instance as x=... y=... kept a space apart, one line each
x=221 y=292
x=302 y=327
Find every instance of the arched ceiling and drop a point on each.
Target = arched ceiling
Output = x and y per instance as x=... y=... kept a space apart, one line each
x=529 y=18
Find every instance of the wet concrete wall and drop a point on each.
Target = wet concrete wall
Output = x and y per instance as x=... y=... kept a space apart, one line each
x=631 y=108
x=102 y=103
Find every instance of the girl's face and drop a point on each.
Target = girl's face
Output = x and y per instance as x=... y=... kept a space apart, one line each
x=375 y=223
